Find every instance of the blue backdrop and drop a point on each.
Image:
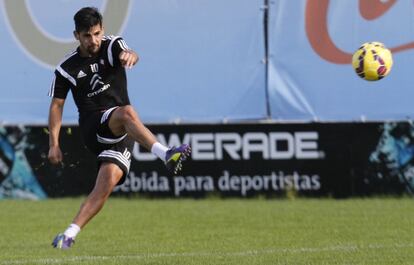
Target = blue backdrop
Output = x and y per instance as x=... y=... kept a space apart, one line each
x=205 y=60
x=311 y=44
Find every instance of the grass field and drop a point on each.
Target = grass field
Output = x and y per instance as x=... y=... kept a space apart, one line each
x=213 y=231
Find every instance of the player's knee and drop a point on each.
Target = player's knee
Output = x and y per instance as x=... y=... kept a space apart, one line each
x=127 y=113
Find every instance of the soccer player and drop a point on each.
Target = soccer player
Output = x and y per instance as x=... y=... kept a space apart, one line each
x=95 y=74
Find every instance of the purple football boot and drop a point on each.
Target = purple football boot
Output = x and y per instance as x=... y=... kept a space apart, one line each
x=63 y=242
x=175 y=156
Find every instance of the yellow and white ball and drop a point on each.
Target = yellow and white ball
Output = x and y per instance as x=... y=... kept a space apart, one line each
x=372 y=61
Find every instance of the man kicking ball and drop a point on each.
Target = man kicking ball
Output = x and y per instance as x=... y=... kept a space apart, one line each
x=95 y=74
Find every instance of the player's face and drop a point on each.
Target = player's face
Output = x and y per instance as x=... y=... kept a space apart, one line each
x=90 y=41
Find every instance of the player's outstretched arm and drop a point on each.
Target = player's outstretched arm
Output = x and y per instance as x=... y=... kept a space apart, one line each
x=128 y=58
x=55 y=123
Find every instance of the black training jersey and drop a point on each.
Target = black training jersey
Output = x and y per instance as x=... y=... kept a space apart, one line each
x=97 y=83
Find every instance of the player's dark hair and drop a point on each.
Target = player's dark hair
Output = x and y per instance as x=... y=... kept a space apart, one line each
x=86 y=18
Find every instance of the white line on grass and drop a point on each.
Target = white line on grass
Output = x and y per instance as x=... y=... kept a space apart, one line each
x=76 y=259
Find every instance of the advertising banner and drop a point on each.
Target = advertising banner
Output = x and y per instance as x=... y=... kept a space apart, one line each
x=242 y=160
x=207 y=54
x=233 y=60
x=311 y=42
x=233 y=160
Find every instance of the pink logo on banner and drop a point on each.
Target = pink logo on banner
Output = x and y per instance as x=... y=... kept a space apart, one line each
x=316 y=19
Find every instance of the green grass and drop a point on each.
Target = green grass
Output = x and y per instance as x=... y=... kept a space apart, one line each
x=213 y=231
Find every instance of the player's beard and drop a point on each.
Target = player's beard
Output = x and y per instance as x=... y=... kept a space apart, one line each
x=94 y=49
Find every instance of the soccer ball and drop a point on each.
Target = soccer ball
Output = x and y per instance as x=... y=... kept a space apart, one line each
x=372 y=61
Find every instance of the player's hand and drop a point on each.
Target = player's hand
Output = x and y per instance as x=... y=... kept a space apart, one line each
x=55 y=155
x=128 y=58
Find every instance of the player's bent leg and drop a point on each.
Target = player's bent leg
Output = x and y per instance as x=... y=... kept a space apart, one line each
x=126 y=120
x=108 y=176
